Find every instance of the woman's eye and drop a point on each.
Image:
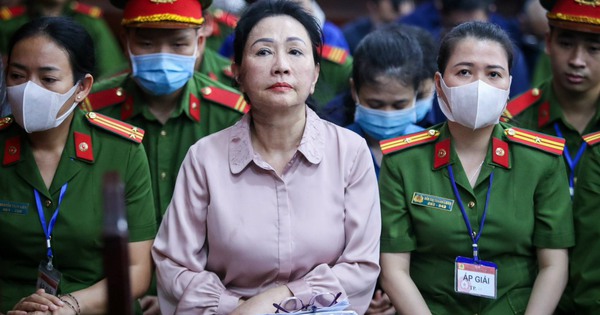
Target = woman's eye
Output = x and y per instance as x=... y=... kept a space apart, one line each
x=263 y=52
x=49 y=80
x=296 y=52
x=464 y=72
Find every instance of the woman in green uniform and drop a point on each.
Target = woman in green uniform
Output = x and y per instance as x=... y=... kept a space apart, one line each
x=476 y=214
x=53 y=161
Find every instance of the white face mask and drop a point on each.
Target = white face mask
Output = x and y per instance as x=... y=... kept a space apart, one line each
x=474 y=105
x=35 y=108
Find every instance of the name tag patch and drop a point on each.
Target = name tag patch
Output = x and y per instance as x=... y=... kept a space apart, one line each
x=431 y=201
x=10 y=207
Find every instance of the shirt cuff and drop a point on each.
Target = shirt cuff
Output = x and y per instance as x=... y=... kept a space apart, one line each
x=227 y=302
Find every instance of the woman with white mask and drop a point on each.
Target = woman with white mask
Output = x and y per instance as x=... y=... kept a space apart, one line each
x=53 y=162
x=385 y=81
x=476 y=214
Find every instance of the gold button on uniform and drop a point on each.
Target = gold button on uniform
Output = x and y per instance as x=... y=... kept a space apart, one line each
x=48 y=203
x=442 y=153
x=500 y=152
x=471 y=204
x=163 y=175
x=163 y=133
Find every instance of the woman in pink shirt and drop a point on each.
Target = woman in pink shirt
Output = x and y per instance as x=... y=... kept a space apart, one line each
x=282 y=204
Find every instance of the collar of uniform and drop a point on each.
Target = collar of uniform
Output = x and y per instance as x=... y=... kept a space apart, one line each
x=444 y=153
x=241 y=152
x=555 y=111
x=139 y=107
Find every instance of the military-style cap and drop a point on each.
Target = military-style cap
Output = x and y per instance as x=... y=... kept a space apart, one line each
x=577 y=15
x=162 y=13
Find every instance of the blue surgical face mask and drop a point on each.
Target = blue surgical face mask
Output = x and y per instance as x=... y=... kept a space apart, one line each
x=162 y=73
x=423 y=106
x=381 y=124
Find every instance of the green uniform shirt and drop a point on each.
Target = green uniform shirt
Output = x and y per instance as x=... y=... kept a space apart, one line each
x=334 y=78
x=77 y=237
x=216 y=67
x=166 y=145
x=529 y=208
x=543 y=114
x=584 y=271
x=109 y=56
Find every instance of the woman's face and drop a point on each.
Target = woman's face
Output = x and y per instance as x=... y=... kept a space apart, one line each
x=385 y=94
x=475 y=59
x=42 y=61
x=277 y=68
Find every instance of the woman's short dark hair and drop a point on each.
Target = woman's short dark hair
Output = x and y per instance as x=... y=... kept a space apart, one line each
x=267 y=8
x=67 y=34
x=388 y=52
x=477 y=30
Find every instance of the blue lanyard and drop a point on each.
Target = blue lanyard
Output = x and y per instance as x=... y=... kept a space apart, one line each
x=48 y=228
x=572 y=164
x=474 y=237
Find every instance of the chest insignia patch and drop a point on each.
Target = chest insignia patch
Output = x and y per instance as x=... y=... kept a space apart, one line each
x=10 y=207
x=431 y=201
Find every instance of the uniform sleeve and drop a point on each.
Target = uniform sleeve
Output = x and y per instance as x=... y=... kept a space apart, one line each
x=141 y=216
x=397 y=234
x=585 y=256
x=355 y=272
x=180 y=250
x=553 y=226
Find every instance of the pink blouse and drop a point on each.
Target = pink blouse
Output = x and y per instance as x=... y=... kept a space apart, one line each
x=235 y=228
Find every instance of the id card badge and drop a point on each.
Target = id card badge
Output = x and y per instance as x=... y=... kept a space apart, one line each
x=48 y=278
x=475 y=278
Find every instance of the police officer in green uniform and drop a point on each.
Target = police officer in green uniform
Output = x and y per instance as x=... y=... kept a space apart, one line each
x=476 y=214
x=567 y=104
x=110 y=59
x=163 y=95
x=53 y=158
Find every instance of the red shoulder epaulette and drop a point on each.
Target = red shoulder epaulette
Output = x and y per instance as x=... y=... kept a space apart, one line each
x=99 y=100
x=407 y=141
x=92 y=11
x=541 y=141
x=118 y=127
x=334 y=54
x=226 y=18
x=7 y=13
x=227 y=98
x=5 y=122
x=592 y=138
x=521 y=103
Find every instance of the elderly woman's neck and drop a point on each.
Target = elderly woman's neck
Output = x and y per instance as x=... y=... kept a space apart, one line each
x=277 y=131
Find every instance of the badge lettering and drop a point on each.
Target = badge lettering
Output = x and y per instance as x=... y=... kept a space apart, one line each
x=432 y=201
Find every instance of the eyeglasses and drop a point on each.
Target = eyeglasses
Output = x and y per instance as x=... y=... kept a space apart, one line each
x=294 y=304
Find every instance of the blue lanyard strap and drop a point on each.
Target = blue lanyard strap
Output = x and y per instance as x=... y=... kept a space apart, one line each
x=48 y=228
x=572 y=164
x=474 y=236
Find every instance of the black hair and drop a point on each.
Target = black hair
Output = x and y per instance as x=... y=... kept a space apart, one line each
x=267 y=8
x=67 y=34
x=388 y=52
x=479 y=31
x=428 y=46
x=465 y=5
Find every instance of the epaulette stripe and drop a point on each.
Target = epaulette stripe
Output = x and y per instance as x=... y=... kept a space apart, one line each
x=592 y=138
x=393 y=145
x=241 y=104
x=404 y=140
x=86 y=105
x=540 y=141
x=133 y=131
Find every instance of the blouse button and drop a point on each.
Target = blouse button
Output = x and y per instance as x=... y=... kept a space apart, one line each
x=471 y=204
x=48 y=203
